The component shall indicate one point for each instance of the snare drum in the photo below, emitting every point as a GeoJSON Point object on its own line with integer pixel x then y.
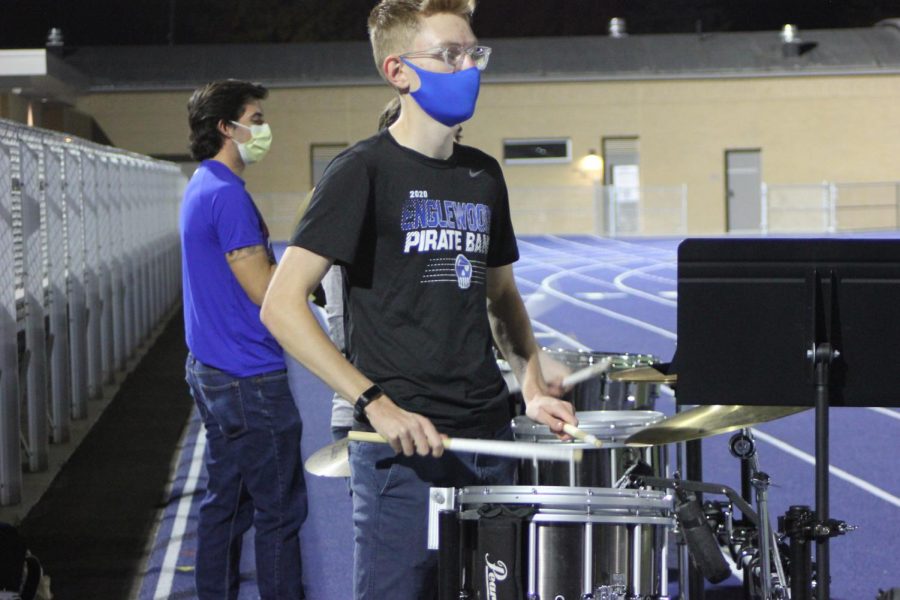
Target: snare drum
{"type": "Point", "coordinates": [608, 466]}
{"type": "Point", "coordinates": [601, 393]}
{"type": "Point", "coordinates": [577, 543]}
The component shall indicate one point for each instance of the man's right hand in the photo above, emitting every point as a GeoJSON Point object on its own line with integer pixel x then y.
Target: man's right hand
{"type": "Point", "coordinates": [405, 431]}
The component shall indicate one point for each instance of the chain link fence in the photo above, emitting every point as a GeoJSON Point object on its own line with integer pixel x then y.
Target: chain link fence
{"type": "Point", "coordinates": [89, 265]}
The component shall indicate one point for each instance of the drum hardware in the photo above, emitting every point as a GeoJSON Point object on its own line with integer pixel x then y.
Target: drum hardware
{"type": "Point", "coordinates": [604, 467]}
{"type": "Point", "coordinates": [577, 543]}
{"type": "Point", "coordinates": [800, 525]}
{"type": "Point", "coordinates": [587, 373]}
{"type": "Point", "coordinates": [742, 445]}
{"type": "Point", "coordinates": [602, 392]}
{"type": "Point", "coordinates": [741, 542]}
{"type": "Point", "coordinates": [580, 376]}
{"type": "Point", "coordinates": [706, 421]}
{"type": "Point", "coordinates": [771, 589]}
{"type": "Point", "coordinates": [638, 469]}
{"type": "Point", "coordinates": [705, 488]}
{"type": "Point", "coordinates": [699, 537]}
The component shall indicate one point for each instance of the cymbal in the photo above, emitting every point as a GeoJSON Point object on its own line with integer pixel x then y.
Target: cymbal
{"type": "Point", "coordinates": [642, 375]}
{"type": "Point", "coordinates": [706, 421]}
{"type": "Point", "coordinates": [331, 461]}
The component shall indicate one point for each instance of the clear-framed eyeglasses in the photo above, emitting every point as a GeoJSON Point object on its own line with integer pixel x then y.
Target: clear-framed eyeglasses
{"type": "Point", "coordinates": [455, 56]}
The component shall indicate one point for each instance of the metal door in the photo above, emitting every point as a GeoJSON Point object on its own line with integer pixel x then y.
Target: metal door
{"type": "Point", "coordinates": [742, 184]}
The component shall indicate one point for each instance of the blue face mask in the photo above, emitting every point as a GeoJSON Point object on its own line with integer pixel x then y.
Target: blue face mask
{"type": "Point", "coordinates": [448, 98]}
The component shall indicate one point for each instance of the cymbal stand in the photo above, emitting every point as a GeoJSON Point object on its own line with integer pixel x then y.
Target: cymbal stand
{"type": "Point", "coordinates": [743, 446]}
{"type": "Point", "coordinates": [684, 558]}
{"type": "Point", "coordinates": [689, 461]}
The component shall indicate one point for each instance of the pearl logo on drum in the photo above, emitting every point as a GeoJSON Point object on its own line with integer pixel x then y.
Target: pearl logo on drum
{"type": "Point", "coordinates": [493, 572]}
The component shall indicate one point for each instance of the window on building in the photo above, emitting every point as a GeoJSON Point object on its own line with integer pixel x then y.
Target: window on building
{"type": "Point", "coordinates": [537, 151]}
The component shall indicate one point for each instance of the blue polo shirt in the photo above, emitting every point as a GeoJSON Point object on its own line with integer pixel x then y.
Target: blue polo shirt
{"type": "Point", "coordinates": [222, 325]}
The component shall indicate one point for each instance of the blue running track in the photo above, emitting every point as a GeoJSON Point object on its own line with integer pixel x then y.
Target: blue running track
{"type": "Point", "coordinates": [609, 296]}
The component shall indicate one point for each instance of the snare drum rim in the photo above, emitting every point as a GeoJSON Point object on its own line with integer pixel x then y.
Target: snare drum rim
{"type": "Point", "coordinates": [606, 430]}
{"type": "Point", "coordinates": [627, 360]}
{"type": "Point", "coordinates": [590, 500]}
{"type": "Point", "coordinates": [611, 519]}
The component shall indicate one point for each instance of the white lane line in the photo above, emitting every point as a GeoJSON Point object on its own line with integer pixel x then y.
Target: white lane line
{"type": "Point", "coordinates": [549, 290]}
{"type": "Point", "coordinates": [601, 295]}
{"type": "Point", "coordinates": [546, 329]}
{"type": "Point", "coordinates": [167, 571]}
{"type": "Point", "coordinates": [585, 252]}
{"type": "Point", "coordinates": [576, 272]}
{"type": "Point", "coordinates": [836, 471]}
{"type": "Point", "coordinates": [886, 412]}
{"type": "Point", "coordinates": [619, 282]}
{"type": "Point", "coordinates": [618, 246]}
{"type": "Point", "coordinates": [810, 459]}
{"type": "Point", "coordinates": [545, 285]}
{"type": "Point", "coordinates": [803, 456]}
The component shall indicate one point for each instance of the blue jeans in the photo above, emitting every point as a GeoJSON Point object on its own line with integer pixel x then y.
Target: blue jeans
{"type": "Point", "coordinates": [255, 478]}
{"type": "Point", "coordinates": [390, 514]}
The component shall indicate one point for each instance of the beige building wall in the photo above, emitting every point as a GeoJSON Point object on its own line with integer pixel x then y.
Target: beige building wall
{"type": "Point", "coordinates": [156, 123]}
{"type": "Point", "coordinates": [15, 108]}
{"type": "Point", "coordinates": [808, 129]}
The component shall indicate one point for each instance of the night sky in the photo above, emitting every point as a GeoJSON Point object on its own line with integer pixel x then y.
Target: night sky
{"type": "Point", "coordinates": [24, 23]}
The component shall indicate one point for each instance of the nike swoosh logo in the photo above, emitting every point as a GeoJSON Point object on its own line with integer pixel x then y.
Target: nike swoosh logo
{"type": "Point", "coordinates": [475, 173]}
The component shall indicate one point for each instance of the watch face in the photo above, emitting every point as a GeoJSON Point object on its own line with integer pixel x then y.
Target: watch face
{"type": "Point", "coordinates": [370, 394]}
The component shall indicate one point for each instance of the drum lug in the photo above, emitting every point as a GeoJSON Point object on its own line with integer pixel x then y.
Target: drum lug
{"type": "Point", "coordinates": [609, 592]}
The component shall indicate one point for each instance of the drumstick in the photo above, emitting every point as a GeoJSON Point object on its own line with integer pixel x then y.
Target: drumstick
{"type": "Point", "coordinates": [586, 373]}
{"type": "Point", "coordinates": [581, 434]}
{"type": "Point", "coordinates": [560, 452]}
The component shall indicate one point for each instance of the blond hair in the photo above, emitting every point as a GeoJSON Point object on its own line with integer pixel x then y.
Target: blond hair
{"type": "Point", "coordinates": [394, 23]}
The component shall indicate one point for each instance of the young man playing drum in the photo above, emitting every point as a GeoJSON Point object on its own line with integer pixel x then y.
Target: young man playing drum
{"type": "Point", "coordinates": [422, 228]}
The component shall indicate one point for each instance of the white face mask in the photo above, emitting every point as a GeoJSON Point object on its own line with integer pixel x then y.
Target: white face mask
{"type": "Point", "coordinates": [256, 148]}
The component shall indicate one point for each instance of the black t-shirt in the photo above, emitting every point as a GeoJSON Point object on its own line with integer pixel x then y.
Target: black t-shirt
{"type": "Point", "coordinates": [416, 236]}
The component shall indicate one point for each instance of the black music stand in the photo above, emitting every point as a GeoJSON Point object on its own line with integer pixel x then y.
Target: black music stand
{"type": "Point", "coordinates": [790, 322]}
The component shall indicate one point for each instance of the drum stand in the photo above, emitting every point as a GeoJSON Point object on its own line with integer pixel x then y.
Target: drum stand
{"type": "Point", "coordinates": [799, 524]}
{"type": "Point", "coordinates": [754, 481]}
{"type": "Point", "coordinates": [743, 446]}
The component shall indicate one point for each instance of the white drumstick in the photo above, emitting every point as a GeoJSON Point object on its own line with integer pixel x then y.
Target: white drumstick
{"type": "Point", "coordinates": [560, 452]}
{"type": "Point", "coordinates": [586, 373]}
{"type": "Point", "coordinates": [581, 434]}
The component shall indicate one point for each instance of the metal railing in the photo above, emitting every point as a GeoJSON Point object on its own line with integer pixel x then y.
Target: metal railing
{"type": "Point", "coordinates": [830, 207]}
{"type": "Point", "coordinates": [89, 265]}
{"type": "Point", "coordinates": [611, 211]}
{"type": "Point", "coordinates": [600, 210]}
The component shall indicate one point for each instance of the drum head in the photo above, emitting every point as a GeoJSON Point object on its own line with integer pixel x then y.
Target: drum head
{"type": "Point", "coordinates": [607, 425]}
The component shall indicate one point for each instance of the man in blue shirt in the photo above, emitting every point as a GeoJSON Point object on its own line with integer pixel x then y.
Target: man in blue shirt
{"type": "Point", "coordinates": [235, 368]}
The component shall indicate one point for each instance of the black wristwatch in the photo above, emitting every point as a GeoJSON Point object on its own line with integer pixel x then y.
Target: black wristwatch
{"type": "Point", "coordinates": [359, 410]}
